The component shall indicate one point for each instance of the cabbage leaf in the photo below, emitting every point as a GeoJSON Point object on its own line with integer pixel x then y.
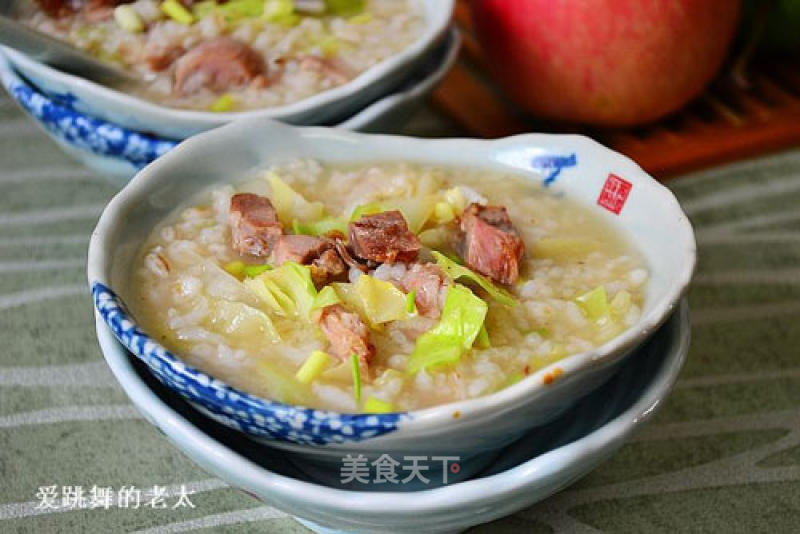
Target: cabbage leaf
{"type": "Point", "coordinates": [462, 319]}
{"type": "Point", "coordinates": [456, 271]}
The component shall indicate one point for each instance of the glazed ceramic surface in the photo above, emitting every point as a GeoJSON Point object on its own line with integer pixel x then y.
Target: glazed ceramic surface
{"type": "Point", "coordinates": [140, 115]}
{"type": "Point", "coordinates": [542, 462]}
{"type": "Point", "coordinates": [119, 153]}
{"type": "Point", "coordinates": [473, 430]}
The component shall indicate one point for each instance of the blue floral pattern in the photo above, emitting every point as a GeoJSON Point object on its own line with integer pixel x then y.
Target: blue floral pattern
{"type": "Point", "coordinates": [100, 137]}
{"type": "Point", "coordinates": [239, 410]}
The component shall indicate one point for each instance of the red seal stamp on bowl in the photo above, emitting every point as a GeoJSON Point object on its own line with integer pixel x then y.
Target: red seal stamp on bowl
{"type": "Point", "coordinates": [614, 194]}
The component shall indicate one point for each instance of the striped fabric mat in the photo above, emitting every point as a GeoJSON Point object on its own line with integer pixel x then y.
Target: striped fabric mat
{"type": "Point", "coordinates": [723, 454]}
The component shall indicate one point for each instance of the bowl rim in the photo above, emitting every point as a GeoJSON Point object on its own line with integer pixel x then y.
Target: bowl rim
{"type": "Point", "coordinates": [454, 496]}
{"type": "Point", "coordinates": [474, 409]}
{"type": "Point", "coordinates": [435, 28]}
{"type": "Point", "coordinates": [412, 87]}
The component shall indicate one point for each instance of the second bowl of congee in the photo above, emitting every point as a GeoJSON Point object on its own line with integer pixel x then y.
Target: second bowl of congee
{"type": "Point", "coordinates": [384, 286]}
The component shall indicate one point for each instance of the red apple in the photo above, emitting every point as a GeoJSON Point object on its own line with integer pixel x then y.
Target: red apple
{"type": "Point", "coordinates": [608, 62]}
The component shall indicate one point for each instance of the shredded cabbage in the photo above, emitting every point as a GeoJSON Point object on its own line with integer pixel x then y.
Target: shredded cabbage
{"type": "Point", "coordinates": [462, 318]}
{"type": "Point", "coordinates": [416, 211]}
{"type": "Point", "coordinates": [564, 248]}
{"type": "Point", "coordinates": [376, 301]}
{"type": "Point", "coordinates": [242, 321]}
{"type": "Point", "coordinates": [290, 204]}
{"type": "Point", "coordinates": [320, 227]}
{"type": "Point", "coordinates": [326, 297]}
{"type": "Point", "coordinates": [287, 290]}
{"type": "Point", "coordinates": [456, 271]}
{"type": "Point", "coordinates": [483, 341]}
{"type": "Point", "coordinates": [597, 308]}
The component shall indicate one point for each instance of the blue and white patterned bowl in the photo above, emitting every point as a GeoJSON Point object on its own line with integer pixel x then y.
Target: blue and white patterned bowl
{"type": "Point", "coordinates": [144, 116]}
{"type": "Point", "coordinates": [119, 153]}
{"type": "Point", "coordinates": [474, 430]}
{"type": "Point", "coordinates": [544, 461]}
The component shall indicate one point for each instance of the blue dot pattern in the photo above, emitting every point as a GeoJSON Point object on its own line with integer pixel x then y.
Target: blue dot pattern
{"type": "Point", "coordinates": [81, 131]}
{"type": "Point", "coordinates": [239, 410]}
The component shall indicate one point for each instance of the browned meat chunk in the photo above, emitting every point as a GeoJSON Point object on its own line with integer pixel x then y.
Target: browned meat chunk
{"type": "Point", "coordinates": [329, 267]}
{"type": "Point", "coordinates": [347, 257]}
{"type": "Point", "coordinates": [427, 280]}
{"type": "Point", "coordinates": [384, 238]}
{"type": "Point", "coordinates": [491, 244]}
{"type": "Point", "coordinates": [347, 335]}
{"type": "Point", "coordinates": [319, 254]}
{"type": "Point", "coordinates": [159, 56]}
{"type": "Point", "coordinates": [218, 65]}
{"type": "Point", "coordinates": [254, 224]}
{"type": "Point", "coordinates": [63, 8]}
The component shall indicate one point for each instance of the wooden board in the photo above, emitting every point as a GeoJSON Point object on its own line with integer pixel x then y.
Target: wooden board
{"type": "Point", "coordinates": [724, 124]}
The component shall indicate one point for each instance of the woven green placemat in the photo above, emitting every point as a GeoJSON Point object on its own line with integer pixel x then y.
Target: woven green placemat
{"type": "Point", "coordinates": [722, 455]}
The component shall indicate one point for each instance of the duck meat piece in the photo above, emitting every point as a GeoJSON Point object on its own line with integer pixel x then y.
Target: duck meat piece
{"type": "Point", "coordinates": [427, 280]}
{"type": "Point", "coordinates": [384, 238]}
{"type": "Point", "coordinates": [491, 245]}
{"type": "Point", "coordinates": [318, 253]}
{"type": "Point", "coordinates": [254, 224]}
{"type": "Point", "coordinates": [347, 335]}
{"type": "Point", "coordinates": [64, 8]}
{"type": "Point", "coordinates": [347, 256]}
{"type": "Point", "coordinates": [219, 65]}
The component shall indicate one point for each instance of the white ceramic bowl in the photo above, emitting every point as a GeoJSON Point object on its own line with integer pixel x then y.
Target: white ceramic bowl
{"type": "Point", "coordinates": [537, 466]}
{"type": "Point", "coordinates": [119, 153]}
{"type": "Point", "coordinates": [141, 115]}
{"type": "Point", "coordinates": [608, 183]}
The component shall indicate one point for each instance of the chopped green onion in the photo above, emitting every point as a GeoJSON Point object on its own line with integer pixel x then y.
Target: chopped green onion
{"type": "Point", "coordinates": [223, 103]}
{"type": "Point", "coordinates": [175, 10]}
{"type": "Point", "coordinates": [329, 45]}
{"type": "Point", "coordinates": [254, 270]}
{"type": "Point", "coordinates": [202, 9]}
{"type": "Point", "coordinates": [236, 268]}
{"type": "Point", "coordinates": [312, 367]}
{"type": "Point", "coordinates": [326, 297]}
{"type": "Point", "coordinates": [456, 271]}
{"type": "Point", "coordinates": [356, 377]}
{"type": "Point", "coordinates": [128, 19]}
{"type": "Point", "coordinates": [363, 18]}
{"type": "Point", "coordinates": [373, 405]}
{"type": "Point", "coordinates": [345, 8]}
{"type": "Point", "coordinates": [280, 12]}
{"type": "Point", "coordinates": [411, 302]}
{"type": "Point", "coordinates": [594, 303]}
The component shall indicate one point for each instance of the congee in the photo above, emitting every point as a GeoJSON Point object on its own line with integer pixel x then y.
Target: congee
{"type": "Point", "coordinates": [383, 287]}
{"type": "Point", "coordinates": [233, 55]}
